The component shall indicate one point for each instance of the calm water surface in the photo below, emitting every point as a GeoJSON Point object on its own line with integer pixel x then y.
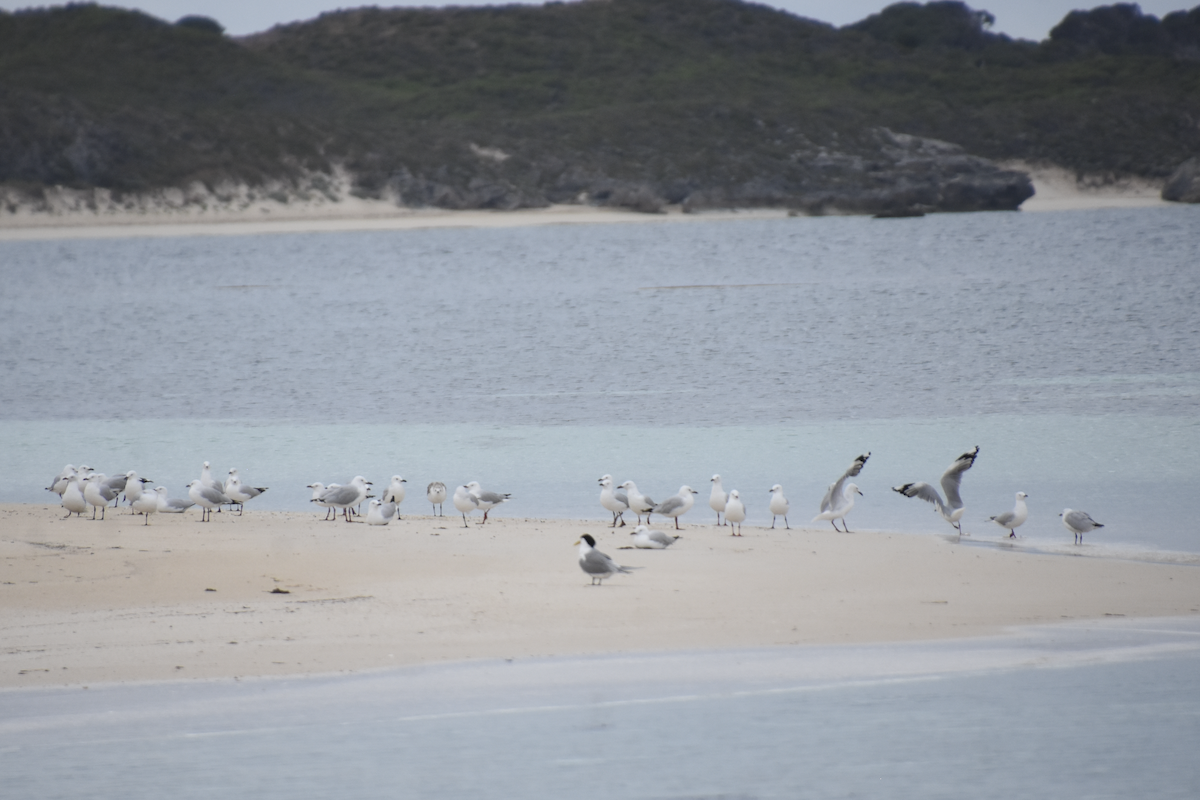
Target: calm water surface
{"type": "Point", "coordinates": [536, 359]}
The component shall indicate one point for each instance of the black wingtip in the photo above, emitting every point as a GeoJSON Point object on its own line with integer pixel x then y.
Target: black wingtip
{"type": "Point", "coordinates": [902, 489]}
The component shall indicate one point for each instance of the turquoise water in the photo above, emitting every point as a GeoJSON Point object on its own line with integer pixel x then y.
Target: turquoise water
{"type": "Point", "coordinates": [536, 359]}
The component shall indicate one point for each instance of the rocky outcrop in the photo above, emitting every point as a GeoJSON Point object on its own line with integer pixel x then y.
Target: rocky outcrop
{"type": "Point", "coordinates": [1184, 184]}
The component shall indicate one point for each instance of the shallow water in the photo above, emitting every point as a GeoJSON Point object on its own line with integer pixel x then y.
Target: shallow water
{"type": "Point", "coordinates": [1103, 710]}
{"type": "Point", "coordinates": [536, 359]}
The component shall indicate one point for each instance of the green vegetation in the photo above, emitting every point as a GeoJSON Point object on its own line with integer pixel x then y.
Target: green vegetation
{"type": "Point", "coordinates": [684, 95]}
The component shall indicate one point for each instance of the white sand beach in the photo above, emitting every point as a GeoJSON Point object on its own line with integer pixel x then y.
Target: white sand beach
{"type": "Point", "coordinates": [276, 593]}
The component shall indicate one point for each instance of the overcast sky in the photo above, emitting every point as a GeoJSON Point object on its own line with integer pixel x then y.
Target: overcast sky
{"type": "Point", "coordinates": [1024, 19]}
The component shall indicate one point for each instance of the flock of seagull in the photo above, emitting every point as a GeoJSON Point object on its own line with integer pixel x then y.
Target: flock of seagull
{"type": "Point", "coordinates": [836, 504]}
{"type": "Point", "coordinates": [83, 486]}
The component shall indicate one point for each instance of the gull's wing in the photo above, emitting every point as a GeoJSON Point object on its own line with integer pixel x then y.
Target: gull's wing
{"type": "Point", "coordinates": [1082, 521]}
{"type": "Point", "coordinates": [343, 495]}
{"type": "Point", "coordinates": [492, 497]}
{"type": "Point", "coordinates": [952, 478]}
{"type": "Point", "coordinates": [835, 492]}
{"type": "Point", "coordinates": [596, 563]}
{"type": "Point", "coordinates": [622, 496]}
{"type": "Point", "coordinates": [669, 505]}
{"type": "Point", "coordinates": [922, 490]}
{"type": "Point", "coordinates": [1004, 519]}
{"type": "Point", "coordinates": [662, 538]}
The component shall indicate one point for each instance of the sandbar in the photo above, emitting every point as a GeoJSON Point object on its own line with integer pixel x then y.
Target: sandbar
{"type": "Point", "coordinates": [286, 593]}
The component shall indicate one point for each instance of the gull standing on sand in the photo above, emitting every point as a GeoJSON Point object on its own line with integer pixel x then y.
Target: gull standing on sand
{"type": "Point", "coordinates": [839, 498]}
{"type": "Point", "coordinates": [435, 493]}
{"type": "Point", "coordinates": [676, 506]}
{"type": "Point", "coordinates": [614, 500]}
{"type": "Point", "coordinates": [135, 487]}
{"type": "Point", "coordinates": [72, 497]}
{"type": "Point", "coordinates": [596, 564]}
{"type": "Point", "coordinates": [168, 506]}
{"type": "Point", "coordinates": [638, 503]}
{"type": "Point", "coordinates": [240, 494]}
{"type": "Point", "coordinates": [318, 489]}
{"type": "Point", "coordinates": [952, 507]}
{"type": "Point", "coordinates": [59, 484]}
{"type": "Point", "coordinates": [97, 494]}
{"type": "Point", "coordinates": [145, 503]}
{"type": "Point", "coordinates": [779, 506]}
{"type": "Point", "coordinates": [346, 497]}
{"type": "Point", "coordinates": [646, 539]}
{"type": "Point", "coordinates": [718, 497]}
{"type": "Point", "coordinates": [486, 500]}
{"type": "Point", "coordinates": [465, 502]}
{"type": "Point", "coordinates": [735, 512]}
{"type": "Point", "coordinates": [379, 512]}
{"type": "Point", "coordinates": [394, 493]}
{"type": "Point", "coordinates": [1011, 520]}
{"type": "Point", "coordinates": [209, 482]}
{"type": "Point", "coordinates": [1078, 523]}
{"type": "Point", "coordinates": [207, 497]}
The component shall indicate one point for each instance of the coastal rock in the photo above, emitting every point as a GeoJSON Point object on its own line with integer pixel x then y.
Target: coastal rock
{"type": "Point", "coordinates": [1184, 184]}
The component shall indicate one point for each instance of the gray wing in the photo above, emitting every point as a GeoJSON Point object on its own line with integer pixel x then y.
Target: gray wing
{"type": "Point", "coordinates": [835, 493]}
{"type": "Point", "coordinates": [669, 505]}
{"type": "Point", "coordinates": [182, 505]}
{"type": "Point", "coordinates": [662, 538]}
{"type": "Point", "coordinates": [388, 510]}
{"type": "Point", "coordinates": [435, 485]}
{"type": "Point", "coordinates": [493, 497]}
{"type": "Point", "coordinates": [952, 478]}
{"type": "Point", "coordinates": [212, 495]}
{"type": "Point", "coordinates": [1004, 519]}
{"type": "Point", "coordinates": [116, 483]}
{"type": "Point", "coordinates": [343, 495]}
{"type": "Point", "coordinates": [649, 502]}
{"type": "Point", "coordinates": [596, 563]}
{"type": "Point", "coordinates": [922, 490]}
{"type": "Point", "coordinates": [622, 496]}
{"type": "Point", "coordinates": [1082, 521]}
{"type": "Point", "coordinates": [252, 491]}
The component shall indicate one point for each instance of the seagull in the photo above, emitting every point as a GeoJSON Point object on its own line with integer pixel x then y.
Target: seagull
{"type": "Point", "coordinates": [97, 494]}
{"type": "Point", "coordinates": [346, 497]}
{"type": "Point", "coordinates": [486, 500]}
{"type": "Point", "coordinates": [394, 493]}
{"type": "Point", "coordinates": [597, 565]}
{"type": "Point", "coordinates": [72, 497]}
{"type": "Point", "coordinates": [839, 498]}
{"type": "Point", "coordinates": [207, 497]}
{"type": "Point", "coordinates": [209, 482]}
{"type": "Point", "coordinates": [735, 511]}
{"type": "Point", "coordinates": [1015, 518]}
{"type": "Point", "coordinates": [318, 490]}
{"type": "Point", "coordinates": [1078, 523]}
{"type": "Point", "coordinates": [615, 500]}
{"type": "Point", "coordinates": [646, 539]}
{"type": "Point", "coordinates": [718, 497]}
{"type": "Point", "coordinates": [436, 494]}
{"type": "Point", "coordinates": [779, 506]}
{"type": "Point", "coordinates": [380, 513]}
{"type": "Point", "coordinates": [59, 484]}
{"type": "Point", "coordinates": [134, 487]}
{"type": "Point", "coordinates": [676, 506]}
{"type": "Point", "coordinates": [117, 483]}
{"type": "Point", "coordinates": [145, 503]}
{"type": "Point", "coordinates": [951, 508]}
{"type": "Point", "coordinates": [168, 506]}
{"type": "Point", "coordinates": [638, 503]}
{"type": "Point", "coordinates": [465, 502]}
{"type": "Point", "coordinates": [240, 494]}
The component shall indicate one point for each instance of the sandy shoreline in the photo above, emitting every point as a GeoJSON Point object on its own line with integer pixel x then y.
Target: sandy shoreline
{"type": "Point", "coordinates": [1057, 190]}
{"type": "Point", "coordinates": [90, 602]}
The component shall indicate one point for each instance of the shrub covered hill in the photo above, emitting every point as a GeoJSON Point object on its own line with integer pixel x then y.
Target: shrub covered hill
{"type": "Point", "coordinates": [638, 103]}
